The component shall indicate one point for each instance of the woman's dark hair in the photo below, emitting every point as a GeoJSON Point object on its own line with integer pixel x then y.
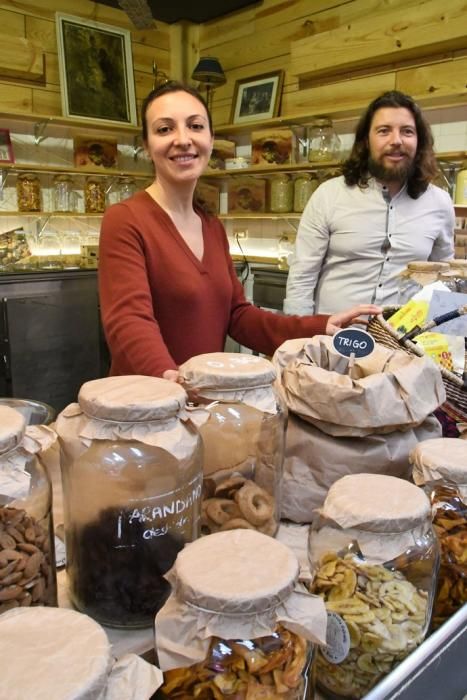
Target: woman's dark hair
{"type": "Point", "coordinates": [165, 89]}
{"type": "Point", "coordinates": [425, 167]}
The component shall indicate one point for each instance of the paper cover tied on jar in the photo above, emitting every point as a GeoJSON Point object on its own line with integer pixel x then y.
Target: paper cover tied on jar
{"type": "Point", "coordinates": [341, 425]}
{"type": "Point", "coordinates": [132, 477]}
{"type": "Point", "coordinates": [374, 559]}
{"type": "Point", "coordinates": [241, 422]}
{"type": "Point", "coordinates": [56, 654]}
{"type": "Point", "coordinates": [440, 468]}
{"type": "Point", "coordinates": [27, 557]}
{"type": "Point", "coordinates": [236, 621]}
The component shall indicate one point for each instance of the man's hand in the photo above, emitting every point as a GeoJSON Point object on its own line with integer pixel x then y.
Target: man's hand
{"type": "Point", "coordinates": [348, 318]}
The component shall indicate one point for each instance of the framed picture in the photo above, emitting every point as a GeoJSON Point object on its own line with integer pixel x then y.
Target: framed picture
{"type": "Point", "coordinates": [96, 70]}
{"type": "Point", "coordinates": [257, 98]}
{"type": "Point", "coordinates": [6, 149]}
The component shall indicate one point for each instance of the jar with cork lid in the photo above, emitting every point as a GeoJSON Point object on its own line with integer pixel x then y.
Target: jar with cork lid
{"type": "Point", "coordinates": [417, 275]}
{"type": "Point", "coordinates": [28, 191]}
{"type": "Point", "coordinates": [304, 186]}
{"type": "Point", "coordinates": [132, 480]}
{"type": "Point", "coordinates": [27, 555]}
{"type": "Point", "coordinates": [94, 194]}
{"type": "Point", "coordinates": [374, 560]}
{"type": "Point", "coordinates": [461, 185]}
{"type": "Point", "coordinates": [241, 420]}
{"type": "Point", "coordinates": [281, 191]}
{"type": "Point", "coordinates": [236, 623]}
{"type": "Point", "coordinates": [440, 469]}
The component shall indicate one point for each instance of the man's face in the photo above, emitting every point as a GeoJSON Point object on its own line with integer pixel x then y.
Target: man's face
{"type": "Point", "coordinates": [392, 142]}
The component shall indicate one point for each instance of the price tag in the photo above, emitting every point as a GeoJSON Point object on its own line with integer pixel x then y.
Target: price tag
{"type": "Point", "coordinates": [337, 639]}
{"type": "Point", "coordinates": [353, 342]}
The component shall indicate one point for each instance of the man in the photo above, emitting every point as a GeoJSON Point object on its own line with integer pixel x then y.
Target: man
{"type": "Point", "coordinates": [358, 231]}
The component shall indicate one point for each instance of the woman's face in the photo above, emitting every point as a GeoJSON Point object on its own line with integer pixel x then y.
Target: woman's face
{"type": "Point", "coordinates": [179, 138]}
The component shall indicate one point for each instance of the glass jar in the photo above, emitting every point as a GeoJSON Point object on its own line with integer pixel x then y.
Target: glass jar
{"type": "Point", "coordinates": [27, 557]}
{"type": "Point", "coordinates": [461, 185]}
{"type": "Point", "coordinates": [28, 192]}
{"type": "Point", "coordinates": [323, 142]}
{"type": "Point", "coordinates": [126, 188]}
{"type": "Point", "coordinates": [63, 196]}
{"type": "Point", "coordinates": [132, 480]}
{"type": "Point", "coordinates": [57, 653]}
{"type": "Point", "coordinates": [416, 276]}
{"type": "Point", "coordinates": [238, 589]}
{"type": "Point", "coordinates": [241, 421]}
{"type": "Point", "coordinates": [458, 267]}
{"type": "Point", "coordinates": [94, 195]}
{"type": "Point", "coordinates": [440, 468]}
{"type": "Point", "coordinates": [374, 560]}
{"type": "Point", "coordinates": [304, 186]}
{"type": "Point", "coordinates": [281, 193]}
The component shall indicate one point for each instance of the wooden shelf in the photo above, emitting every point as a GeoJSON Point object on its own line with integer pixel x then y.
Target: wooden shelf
{"type": "Point", "coordinates": [261, 216]}
{"type": "Point", "coordinates": [450, 157]}
{"type": "Point", "coordinates": [25, 120]}
{"type": "Point", "coordinates": [50, 214]}
{"type": "Point", "coordinates": [274, 169]}
{"type": "Point", "coordinates": [70, 170]}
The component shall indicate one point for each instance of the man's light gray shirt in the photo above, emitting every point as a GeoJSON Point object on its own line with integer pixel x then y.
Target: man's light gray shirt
{"type": "Point", "coordinates": [352, 243]}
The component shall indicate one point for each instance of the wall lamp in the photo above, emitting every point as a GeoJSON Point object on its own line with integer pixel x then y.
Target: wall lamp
{"type": "Point", "coordinates": [210, 74]}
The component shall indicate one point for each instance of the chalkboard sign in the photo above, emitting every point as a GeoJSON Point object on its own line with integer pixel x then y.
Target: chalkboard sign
{"type": "Point", "coordinates": [353, 341]}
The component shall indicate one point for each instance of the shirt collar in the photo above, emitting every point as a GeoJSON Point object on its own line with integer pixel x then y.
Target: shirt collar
{"type": "Point", "coordinates": [380, 187]}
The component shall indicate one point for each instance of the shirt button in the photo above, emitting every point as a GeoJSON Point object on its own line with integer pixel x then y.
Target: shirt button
{"type": "Point", "coordinates": [380, 285]}
{"type": "Point", "coordinates": [387, 258]}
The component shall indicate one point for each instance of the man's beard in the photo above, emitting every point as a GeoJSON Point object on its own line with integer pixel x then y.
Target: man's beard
{"type": "Point", "coordinates": [398, 173]}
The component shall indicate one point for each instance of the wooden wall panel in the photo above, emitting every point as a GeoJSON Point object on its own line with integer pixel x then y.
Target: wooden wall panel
{"type": "Point", "coordinates": [376, 39]}
{"type": "Point", "coordinates": [344, 98]}
{"type": "Point", "coordinates": [263, 39]}
{"type": "Point", "coordinates": [442, 80]}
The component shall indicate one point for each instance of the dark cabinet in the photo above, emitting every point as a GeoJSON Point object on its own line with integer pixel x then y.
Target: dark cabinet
{"type": "Point", "coordinates": [50, 336]}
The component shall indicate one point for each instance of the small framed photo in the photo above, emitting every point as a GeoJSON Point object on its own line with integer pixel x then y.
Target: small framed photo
{"type": "Point", "coordinates": [257, 98]}
{"type": "Point", "coordinates": [6, 148]}
{"type": "Point", "coordinates": [96, 70]}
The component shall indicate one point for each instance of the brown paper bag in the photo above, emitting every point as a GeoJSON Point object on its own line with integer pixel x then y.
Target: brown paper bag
{"type": "Point", "coordinates": [315, 460]}
{"type": "Point", "coordinates": [389, 390]}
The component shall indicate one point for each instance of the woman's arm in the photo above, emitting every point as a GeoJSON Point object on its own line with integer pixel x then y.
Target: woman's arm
{"type": "Point", "coordinates": [132, 332]}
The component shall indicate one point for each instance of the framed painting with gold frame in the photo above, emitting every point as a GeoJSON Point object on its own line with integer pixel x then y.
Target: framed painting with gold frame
{"type": "Point", "coordinates": [96, 70]}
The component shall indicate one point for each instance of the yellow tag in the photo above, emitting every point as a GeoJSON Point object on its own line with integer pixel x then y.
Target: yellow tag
{"type": "Point", "coordinates": [436, 346]}
{"type": "Point", "coordinates": [412, 314]}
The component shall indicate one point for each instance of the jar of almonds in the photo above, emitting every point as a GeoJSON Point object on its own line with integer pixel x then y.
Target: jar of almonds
{"type": "Point", "coordinates": [374, 559]}
{"type": "Point", "coordinates": [440, 468]}
{"type": "Point", "coordinates": [94, 195]}
{"type": "Point", "coordinates": [241, 420]}
{"type": "Point", "coordinates": [234, 625]}
{"type": "Point", "coordinates": [27, 561]}
{"type": "Point", "coordinates": [28, 192]}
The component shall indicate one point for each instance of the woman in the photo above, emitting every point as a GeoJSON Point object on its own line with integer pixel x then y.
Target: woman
{"type": "Point", "coordinates": [168, 289]}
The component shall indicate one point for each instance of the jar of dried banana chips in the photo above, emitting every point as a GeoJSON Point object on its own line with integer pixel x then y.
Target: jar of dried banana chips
{"type": "Point", "coordinates": [241, 420]}
{"type": "Point", "coordinates": [235, 624]}
{"type": "Point", "coordinates": [374, 559]}
{"type": "Point", "coordinates": [440, 468]}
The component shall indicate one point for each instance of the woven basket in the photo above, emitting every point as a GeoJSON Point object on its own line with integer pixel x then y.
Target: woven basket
{"type": "Point", "coordinates": [456, 391]}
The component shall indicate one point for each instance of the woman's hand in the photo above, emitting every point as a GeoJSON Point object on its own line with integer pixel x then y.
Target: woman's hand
{"type": "Point", "coordinates": [171, 375]}
{"type": "Point", "coordinates": [351, 316]}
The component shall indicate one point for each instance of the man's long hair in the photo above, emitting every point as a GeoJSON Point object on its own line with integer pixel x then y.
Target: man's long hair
{"type": "Point", "coordinates": [425, 167]}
